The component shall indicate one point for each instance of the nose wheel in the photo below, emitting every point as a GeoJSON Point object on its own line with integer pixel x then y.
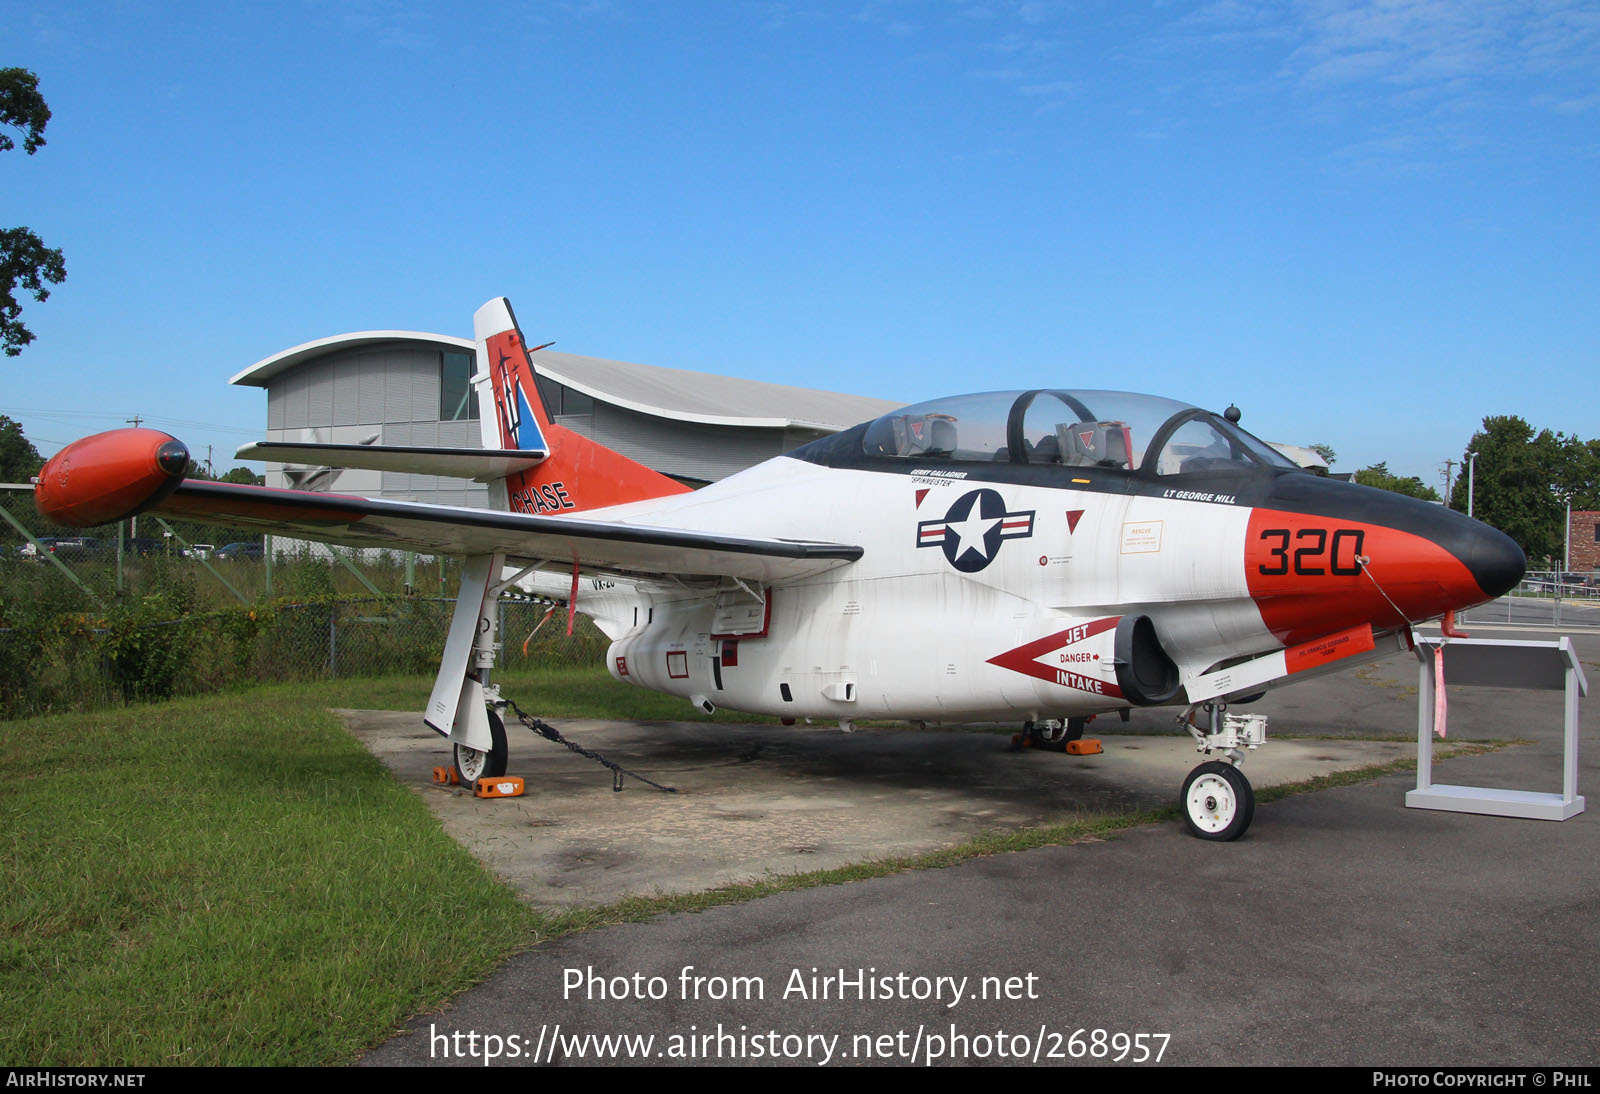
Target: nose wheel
{"type": "Point", "coordinates": [1217, 801]}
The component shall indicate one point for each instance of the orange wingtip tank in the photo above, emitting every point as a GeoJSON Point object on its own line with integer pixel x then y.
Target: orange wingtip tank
{"type": "Point", "coordinates": [110, 476]}
{"type": "Point", "coordinates": [505, 786]}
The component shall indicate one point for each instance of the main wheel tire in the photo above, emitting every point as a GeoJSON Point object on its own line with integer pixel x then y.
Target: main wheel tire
{"type": "Point", "coordinates": [1217, 801]}
{"type": "Point", "coordinates": [1037, 735]}
{"type": "Point", "coordinates": [473, 764]}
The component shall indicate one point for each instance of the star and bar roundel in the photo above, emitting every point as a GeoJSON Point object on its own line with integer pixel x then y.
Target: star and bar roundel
{"type": "Point", "coordinates": [973, 528]}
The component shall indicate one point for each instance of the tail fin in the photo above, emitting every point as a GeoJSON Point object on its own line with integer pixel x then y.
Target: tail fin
{"type": "Point", "coordinates": [580, 474]}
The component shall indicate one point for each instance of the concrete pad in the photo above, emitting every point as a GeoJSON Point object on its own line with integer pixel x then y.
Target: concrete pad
{"type": "Point", "coordinates": [1343, 929]}
{"type": "Point", "coordinates": [758, 801]}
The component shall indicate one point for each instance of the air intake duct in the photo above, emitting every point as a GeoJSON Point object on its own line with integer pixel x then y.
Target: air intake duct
{"type": "Point", "coordinates": [1145, 673]}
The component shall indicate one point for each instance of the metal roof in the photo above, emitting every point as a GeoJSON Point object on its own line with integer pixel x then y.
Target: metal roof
{"type": "Point", "coordinates": [267, 368]}
{"type": "Point", "coordinates": [673, 393]}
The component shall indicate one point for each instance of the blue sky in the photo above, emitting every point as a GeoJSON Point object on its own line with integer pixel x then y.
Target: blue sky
{"type": "Point", "coordinates": [1368, 225]}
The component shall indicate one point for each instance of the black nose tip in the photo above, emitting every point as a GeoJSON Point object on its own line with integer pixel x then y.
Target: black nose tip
{"type": "Point", "coordinates": [173, 458]}
{"type": "Point", "coordinates": [1495, 560]}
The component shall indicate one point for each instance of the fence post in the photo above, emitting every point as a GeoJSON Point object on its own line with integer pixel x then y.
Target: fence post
{"type": "Point", "coordinates": [237, 595]}
{"type": "Point", "coordinates": [333, 639]}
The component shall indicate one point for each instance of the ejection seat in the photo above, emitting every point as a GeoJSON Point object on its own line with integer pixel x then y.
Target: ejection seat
{"type": "Point", "coordinates": [1093, 444]}
{"type": "Point", "coordinates": [912, 435]}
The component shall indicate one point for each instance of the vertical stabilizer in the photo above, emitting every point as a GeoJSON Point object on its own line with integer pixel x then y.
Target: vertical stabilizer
{"type": "Point", "coordinates": [580, 474]}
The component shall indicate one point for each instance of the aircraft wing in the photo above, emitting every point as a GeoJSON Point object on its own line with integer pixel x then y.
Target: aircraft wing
{"type": "Point", "coordinates": [478, 464]}
{"type": "Point", "coordinates": [554, 542]}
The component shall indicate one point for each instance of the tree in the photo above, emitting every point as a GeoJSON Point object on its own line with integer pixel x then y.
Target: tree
{"type": "Point", "coordinates": [1516, 483]}
{"type": "Point", "coordinates": [24, 259]}
{"type": "Point", "coordinates": [1579, 477]}
{"type": "Point", "coordinates": [244, 476]}
{"type": "Point", "coordinates": [1379, 475]}
{"type": "Point", "coordinates": [19, 460]}
{"type": "Point", "coordinates": [1325, 451]}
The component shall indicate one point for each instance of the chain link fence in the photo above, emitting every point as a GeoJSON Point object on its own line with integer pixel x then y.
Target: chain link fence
{"type": "Point", "coordinates": [1570, 601]}
{"type": "Point", "coordinates": [83, 626]}
{"type": "Point", "coordinates": [82, 661]}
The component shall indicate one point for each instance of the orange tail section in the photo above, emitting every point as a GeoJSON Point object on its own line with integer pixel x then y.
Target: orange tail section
{"type": "Point", "coordinates": [579, 474]}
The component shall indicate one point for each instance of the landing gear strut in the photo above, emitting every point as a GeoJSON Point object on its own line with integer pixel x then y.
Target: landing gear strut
{"type": "Point", "coordinates": [1216, 801]}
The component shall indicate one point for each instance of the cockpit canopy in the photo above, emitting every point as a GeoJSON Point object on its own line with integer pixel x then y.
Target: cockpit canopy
{"type": "Point", "coordinates": [1105, 429]}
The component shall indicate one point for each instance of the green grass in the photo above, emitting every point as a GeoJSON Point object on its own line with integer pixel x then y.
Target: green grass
{"type": "Point", "coordinates": [234, 880]}
{"type": "Point", "coordinates": [224, 881]}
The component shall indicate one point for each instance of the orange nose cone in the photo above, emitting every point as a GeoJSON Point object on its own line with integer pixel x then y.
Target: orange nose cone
{"type": "Point", "coordinates": [110, 476]}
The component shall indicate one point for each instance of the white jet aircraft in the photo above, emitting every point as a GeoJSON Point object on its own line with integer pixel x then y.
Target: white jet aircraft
{"type": "Point", "coordinates": [1043, 555]}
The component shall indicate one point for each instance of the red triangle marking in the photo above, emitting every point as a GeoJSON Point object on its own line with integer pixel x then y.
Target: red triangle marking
{"type": "Point", "coordinates": [1024, 658]}
{"type": "Point", "coordinates": [1073, 516]}
{"type": "Point", "coordinates": [920, 495]}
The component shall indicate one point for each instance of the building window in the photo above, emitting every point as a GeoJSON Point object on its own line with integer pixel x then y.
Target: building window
{"type": "Point", "coordinates": [550, 394]}
{"type": "Point", "coordinates": [456, 403]}
{"type": "Point", "coordinates": [560, 400]}
{"type": "Point", "coordinates": [574, 401]}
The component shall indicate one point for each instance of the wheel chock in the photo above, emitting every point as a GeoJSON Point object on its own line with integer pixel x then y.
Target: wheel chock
{"type": "Point", "coordinates": [1084, 746]}
{"type": "Point", "coordinates": [446, 776]}
{"type": "Point", "coordinates": [506, 786]}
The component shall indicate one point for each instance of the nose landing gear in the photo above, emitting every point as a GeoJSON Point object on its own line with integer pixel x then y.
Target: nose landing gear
{"type": "Point", "coordinates": [1217, 801]}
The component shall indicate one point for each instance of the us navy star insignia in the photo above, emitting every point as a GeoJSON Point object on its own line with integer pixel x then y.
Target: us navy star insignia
{"type": "Point", "coordinates": [973, 528]}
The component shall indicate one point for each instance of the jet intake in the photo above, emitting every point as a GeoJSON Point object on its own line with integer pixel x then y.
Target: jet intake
{"type": "Point", "coordinates": [1146, 675]}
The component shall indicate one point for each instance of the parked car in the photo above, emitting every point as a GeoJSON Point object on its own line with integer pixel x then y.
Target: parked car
{"type": "Point", "coordinates": [31, 552]}
{"type": "Point", "coordinates": [63, 547]}
{"type": "Point", "coordinates": [236, 551]}
{"type": "Point", "coordinates": [199, 550]}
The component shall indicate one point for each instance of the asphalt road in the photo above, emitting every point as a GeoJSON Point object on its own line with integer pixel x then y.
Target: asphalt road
{"type": "Point", "coordinates": [1343, 928]}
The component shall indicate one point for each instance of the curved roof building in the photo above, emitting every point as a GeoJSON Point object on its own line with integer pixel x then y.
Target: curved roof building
{"type": "Point", "coordinates": [411, 388]}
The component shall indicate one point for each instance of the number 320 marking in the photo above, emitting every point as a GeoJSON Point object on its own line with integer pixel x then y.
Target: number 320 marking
{"type": "Point", "coordinates": [1314, 545]}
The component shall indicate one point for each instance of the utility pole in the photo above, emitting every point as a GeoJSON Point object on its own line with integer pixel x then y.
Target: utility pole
{"type": "Point", "coordinates": [1448, 466]}
{"type": "Point", "coordinates": [133, 421]}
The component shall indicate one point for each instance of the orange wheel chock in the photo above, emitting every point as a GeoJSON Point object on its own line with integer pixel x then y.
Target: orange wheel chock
{"type": "Point", "coordinates": [506, 786]}
{"type": "Point", "coordinates": [1084, 746]}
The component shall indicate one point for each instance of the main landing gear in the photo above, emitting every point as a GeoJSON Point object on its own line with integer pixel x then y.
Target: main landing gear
{"type": "Point", "coordinates": [1216, 801]}
{"type": "Point", "coordinates": [1060, 735]}
{"type": "Point", "coordinates": [1051, 734]}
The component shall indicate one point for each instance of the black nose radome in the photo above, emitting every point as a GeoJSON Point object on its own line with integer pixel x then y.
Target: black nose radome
{"type": "Point", "coordinates": [173, 458]}
{"type": "Point", "coordinates": [1496, 562]}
